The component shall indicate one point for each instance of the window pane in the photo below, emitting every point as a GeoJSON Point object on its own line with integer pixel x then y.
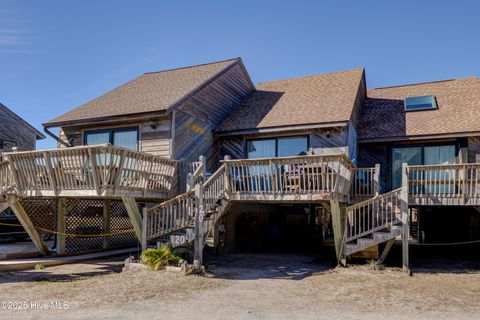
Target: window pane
{"type": "Point", "coordinates": [92, 138]}
{"type": "Point", "coordinates": [261, 149]}
{"type": "Point", "coordinates": [420, 103]}
{"type": "Point", "coordinates": [440, 155]}
{"type": "Point", "coordinates": [292, 146]}
{"type": "Point", "coordinates": [126, 139]}
{"type": "Point", "coordinates": [412, 156]}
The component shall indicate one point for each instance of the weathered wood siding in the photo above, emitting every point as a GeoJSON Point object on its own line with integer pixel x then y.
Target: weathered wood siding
{"type": "Point", "coordinates": [474, 149]}
{"type": "Point", "coordinates": [12, 128]}
{"type": "Point", "coordinates": [369, 155]}
{"type": "Point", "coordinates": [198, 116]}
{"type": "Point", "coordinates": [155, 141]}
{"type": "Point", "coordinates": [235, 146]}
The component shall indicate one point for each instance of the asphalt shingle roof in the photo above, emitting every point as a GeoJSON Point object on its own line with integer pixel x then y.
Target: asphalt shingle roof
{"type": "Point", "coordinates": [322, 98]}
{"type": "Point", "coordinates": [150, 92]}
{"type": "Point", "coordinates": [458, 110]}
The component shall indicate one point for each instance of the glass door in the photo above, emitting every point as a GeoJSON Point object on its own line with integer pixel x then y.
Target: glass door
{"type": "Point", "coordinates": [444, 179]}
{"type": "Point", "coordinates": [410, 155]}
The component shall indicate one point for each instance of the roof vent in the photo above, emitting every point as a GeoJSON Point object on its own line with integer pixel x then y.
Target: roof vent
{"type": "Point", "coordinates": [420, 103]}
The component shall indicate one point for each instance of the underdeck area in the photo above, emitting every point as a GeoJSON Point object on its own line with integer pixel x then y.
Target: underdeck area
{"type": "Point", "coordinates": [288, 228]}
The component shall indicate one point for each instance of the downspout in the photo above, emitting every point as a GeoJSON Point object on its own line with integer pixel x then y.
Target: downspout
{"type": "Point", "coordinates": [51, 134]}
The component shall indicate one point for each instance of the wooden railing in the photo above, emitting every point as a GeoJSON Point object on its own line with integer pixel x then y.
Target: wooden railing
{"type": "Point", "coordinates": [171, 215]}
{"type": "Point", "coordinates": [372, 215]}
{"type": "Point", "coordinates": [6, 182]}
{"type": "Point", "coordinates": [198, 173]}
{"type": "Point", "coordinates": [101, 170]}
{"type": "Point", "coordinates": [312, 174]}
{"type": "Point", "coordinates": [365, 183]}
{"type": "Point", "coordinates": [180, 211]}
{"type": "Point", "coordinates": [444, 181]}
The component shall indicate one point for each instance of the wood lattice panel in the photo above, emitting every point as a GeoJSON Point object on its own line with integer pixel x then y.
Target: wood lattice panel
{"type": "Point", "coordinates": [120, 222]}
{"type": "Point", "coordinates": [43, 213]}
{"type": "Point", "coordinates": [84, 217]}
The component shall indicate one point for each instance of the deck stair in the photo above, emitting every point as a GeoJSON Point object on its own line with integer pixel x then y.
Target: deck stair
{"type": "Point", "coordinates": [173, 221]}
{"type": "Point", "coordinates": [373, 222]}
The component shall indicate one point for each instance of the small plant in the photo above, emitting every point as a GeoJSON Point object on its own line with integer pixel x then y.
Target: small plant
{"type": "Point", "coordinates": [375, 265]}
{"type": "Point", "coordinates": [159, 258]}
{"type": "Point", "coordinates": [39, 266]}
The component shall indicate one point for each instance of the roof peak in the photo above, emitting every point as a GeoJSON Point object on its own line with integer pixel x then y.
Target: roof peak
{"type": "Point", "coordinates": [315, 75]}
{"type": "Point", "coordinates": [426, 82]}
{"type": "Point", "coordinates": [193, 65]}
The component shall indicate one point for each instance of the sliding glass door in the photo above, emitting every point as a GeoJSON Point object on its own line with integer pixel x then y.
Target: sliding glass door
{"type": "Point", "coordinates": [423, 155]}
{"type": "Point", "coordinates": [411, 155]}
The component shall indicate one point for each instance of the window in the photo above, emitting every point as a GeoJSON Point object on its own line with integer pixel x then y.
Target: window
{"type": "Point", "coordinates": [277, 147]}
{"type": "Point", "coordinates": [419, 155]}
{"type": "Point", "coordinates": [123, 137]}
{"type": "Point", "coordinates": [420, 103]}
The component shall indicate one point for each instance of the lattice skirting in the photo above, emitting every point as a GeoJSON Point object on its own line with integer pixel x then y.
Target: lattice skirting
{"type": "Point", "coordinates": [85, 217]}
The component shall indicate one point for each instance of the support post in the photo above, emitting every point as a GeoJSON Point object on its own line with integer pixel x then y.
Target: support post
{"type": "Point", "coordinates": [61, 225]}
{"type": "Point", "coordinates": [144, 228]}
{"type": "Point", "coordinates": [107, 222]}
{"type": "Point", "coordinates": [338, 216]}
{"type": "Point", "coordinates": [134, 214]}
{"type": "Point", "coordinates": [198, 243]}
{"type": "Point", "coordinates": [376, 180]}
{"type": "Point", "coordinates": [386, 250]}
{"type": "Point", "coordinates": [27, 224]}
{"type": "Point", "coordinates": [405, 218]}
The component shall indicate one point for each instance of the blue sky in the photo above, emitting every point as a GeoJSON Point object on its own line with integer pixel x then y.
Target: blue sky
{"type": "Point", "coordinates": [56, 55]}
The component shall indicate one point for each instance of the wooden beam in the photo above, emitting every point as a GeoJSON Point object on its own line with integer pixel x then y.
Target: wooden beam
{"type": "Point", "coordinates": [107, 221]}
{"type": "Point", "coordinates": [477, 208]}
{"type": "Point", "coordinates": [198, 242]}
{"type": "Point", "coordinates": [144, 228]}
{"type": "Point", "coordinates": [134, 214]}
{"type": "Point", "coordinates": [61, 225]}
{"type": "Point", "coordinates": [27, 225]}
{"type": "Point", "coordinates": [386, 250]}
{"type": "Point", "coordinates": [338, 215]}
{"type": "Point", "coordinates": [405, 216]}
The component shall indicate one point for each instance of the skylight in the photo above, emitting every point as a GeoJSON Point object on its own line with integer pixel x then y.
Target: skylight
{"type": "Point", "coordinates": [420, 103]}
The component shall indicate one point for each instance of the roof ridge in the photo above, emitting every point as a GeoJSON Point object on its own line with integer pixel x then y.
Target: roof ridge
{"type": "Point", "coordinates": [312, 75]}
{"type": "Point", "coordinates": [426, 82]}
{"type": "Point", "coordinates": [192, 66]}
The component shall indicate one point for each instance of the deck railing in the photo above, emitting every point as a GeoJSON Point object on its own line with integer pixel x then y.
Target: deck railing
{"type": "Point", "coordinates": [101, 170]}
{"type": "Point", "coordinates": [444, 181]}
{"type": "Point", "coordinates": [312, 174]}
{"type": "Point", "coordinates": [365, 183]}
{"type": "Point", "coordinates": [373, 214]}
{"type": "Point", "coordinates": [6, 182]}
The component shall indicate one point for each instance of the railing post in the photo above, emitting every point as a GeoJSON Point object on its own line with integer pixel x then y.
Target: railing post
{"type": "Point", "coordinates": [199, 213]}
{"type": "Point", "coordinates": [405, 218]}
{"type": "Point", "coordinates": [228, 187]}
{"type": "Point", "coordinates": [144, 228]}
{"type": "Point", "coordinates": [203, 162]}
{"type": "Point", "coordinates": [376, 180]}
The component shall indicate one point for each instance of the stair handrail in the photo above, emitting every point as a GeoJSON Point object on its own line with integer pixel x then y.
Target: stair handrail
{"type": "Point", "coordinates": [373, 214]}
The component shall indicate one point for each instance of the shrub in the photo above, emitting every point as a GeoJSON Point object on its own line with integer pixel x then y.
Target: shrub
{"type": "Point", "coordinates": [159, 258]}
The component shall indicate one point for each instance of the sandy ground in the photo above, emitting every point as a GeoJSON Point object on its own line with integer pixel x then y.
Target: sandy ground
{"type": "Point", "coordinates": [245, 287]}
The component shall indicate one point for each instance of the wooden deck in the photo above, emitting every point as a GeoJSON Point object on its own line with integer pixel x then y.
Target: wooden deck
{"type": "Point", "coordinates": [102, 171]}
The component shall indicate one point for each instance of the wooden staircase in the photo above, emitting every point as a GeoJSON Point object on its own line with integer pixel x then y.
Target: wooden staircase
{"type": "Point", "coordinates": [176, 221]}
{"type": "Point", "coordinates": [373, 221]}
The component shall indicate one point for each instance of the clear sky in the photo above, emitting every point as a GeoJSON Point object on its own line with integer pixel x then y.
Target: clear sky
{"type": "Point", "coordinates": [56, 55]}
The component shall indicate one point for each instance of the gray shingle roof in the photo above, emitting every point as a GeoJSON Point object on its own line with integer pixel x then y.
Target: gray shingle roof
{"type": "Point", "coordinates": [322, 98]}
{"type": "Point", "coordinates": [150, 92]}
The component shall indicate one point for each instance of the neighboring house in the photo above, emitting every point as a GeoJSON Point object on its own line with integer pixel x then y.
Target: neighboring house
{"type": "Point", "coordinates": [16, 132]}
{"type": "Point", "coordinates": [291, 160]}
